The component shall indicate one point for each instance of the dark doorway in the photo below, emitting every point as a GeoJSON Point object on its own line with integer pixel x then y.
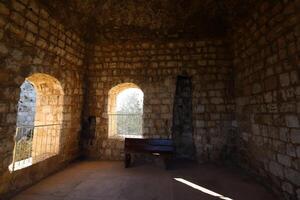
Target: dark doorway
{"type": "Point", "coordinates": [183, 120]}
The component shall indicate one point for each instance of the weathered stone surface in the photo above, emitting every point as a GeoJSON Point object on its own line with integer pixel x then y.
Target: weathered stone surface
{"type": "Point", "coordinates": [291, 150]}
{"type": "Point", "coordinates": [284, 79]}
{"type": "Point", "coordinates": [273, 106]}
{"type": "Point", "coordinates": [276, 169]}
{"type": "Point", "coordinates": [271, 83]}
{"type": "Point", "coordinates": [293, 176]}
{"type": "Point", "coordinates": [287, 187]}
{"type": "Point", "coordinates": [3, 49]}
{"type": "Point", "coordinates": [18, 54]}
{"type": "Point", "coordinates": [157, 80]}
{"type": "Point", "coordinates": [245, 92]}
{"type": "Point", "coordinates": [3, 9]}
{"type": "Point", "coordinates": [284, 160]}
{"type": "Point", "coordinates": [117, 20]}
{"type": "Point", "coordinates": [295, 136]}
{"type": "Point", "coordinates": [292, 121]}
{"type": "Point", "coordinates": [298, 151]}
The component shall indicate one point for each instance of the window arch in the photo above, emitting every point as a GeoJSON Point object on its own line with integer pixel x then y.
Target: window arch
{"type": "Point", "coordinates": [39, 120]}
{"type": "Point", "coordinates": [125, 111]}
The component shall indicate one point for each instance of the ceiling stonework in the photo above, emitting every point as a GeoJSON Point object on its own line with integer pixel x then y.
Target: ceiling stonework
{"type": "Point", "coordinates": [138, 19]}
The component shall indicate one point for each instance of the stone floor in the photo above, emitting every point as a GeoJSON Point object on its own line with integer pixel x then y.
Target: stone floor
{"type": "Point", "coordinates": [91, 180]}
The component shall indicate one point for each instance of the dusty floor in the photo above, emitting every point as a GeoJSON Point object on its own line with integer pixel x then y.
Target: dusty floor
{"type": "Point", "coordinates": [109, 180]}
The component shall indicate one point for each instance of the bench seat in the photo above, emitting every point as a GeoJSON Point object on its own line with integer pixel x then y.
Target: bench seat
{"type": "Point", "coordinates": [161, 147]}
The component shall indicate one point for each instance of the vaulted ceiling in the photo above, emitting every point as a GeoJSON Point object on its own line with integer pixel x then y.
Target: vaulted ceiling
{"type": "Point", "coordinates": [136, 19]}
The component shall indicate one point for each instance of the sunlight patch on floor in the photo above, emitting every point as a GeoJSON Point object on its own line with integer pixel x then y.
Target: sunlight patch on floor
{"type": "Point", "coordinates": [202, 189]}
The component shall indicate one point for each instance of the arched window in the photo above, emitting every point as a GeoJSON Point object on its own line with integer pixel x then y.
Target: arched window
{"type": "Point", "coordinates": [39, 121]}
{"type": "Point", "coordinates": [125, 111]}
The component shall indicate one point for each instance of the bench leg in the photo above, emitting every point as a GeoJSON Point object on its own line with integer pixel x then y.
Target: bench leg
{"type": "Point", "coordinates": [127, 159]}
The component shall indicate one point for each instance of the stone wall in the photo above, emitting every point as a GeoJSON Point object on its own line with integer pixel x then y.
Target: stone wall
{"type": "Point", "coordinates": [266, 60]}
{"type": "Point", "coordinates": [182, 127]}
{"type": "Point", "coordinates": [48, 117]}
{"type": "Point", "coordinates": [258, 94]}
{"type": "Point", "coordinates": [154, 66]}
{"type": "Point", "coordinates": [32, 42]}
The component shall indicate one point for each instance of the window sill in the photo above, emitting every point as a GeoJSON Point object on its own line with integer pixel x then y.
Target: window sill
{"type": "Point", "coordinates": [20, 164]}
{"type": "Point", "coordinates": [122, 137]}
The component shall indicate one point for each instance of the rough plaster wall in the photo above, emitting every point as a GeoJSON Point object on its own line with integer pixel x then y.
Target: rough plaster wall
{"type": "Point", "coordinates": [154, 66]}
{"type": "Point", "coordinates": [266, 48]}
{"type": "Point", "coordinates": [31, 42]}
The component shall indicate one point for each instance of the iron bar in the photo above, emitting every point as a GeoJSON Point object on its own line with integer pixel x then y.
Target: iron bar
{"type": "Point", "coordinates": [123, 124]}
{"type": "Point", "coordinates": [32, 144]}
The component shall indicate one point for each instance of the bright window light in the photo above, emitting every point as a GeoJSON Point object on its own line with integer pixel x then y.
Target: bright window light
{"type": "Point", "coordinates": [20, 164]}
{"type": "Point", "coordinates": [125, 111]}
{"type": "Point", "coordinates": [202, 189]}
{"type": "Point", "coordinates": [130, 101]}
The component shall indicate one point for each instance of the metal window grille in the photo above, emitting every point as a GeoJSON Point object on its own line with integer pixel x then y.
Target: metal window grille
{"type": "Point", "coordinates": [130, 125]}
{"type": "Point", "coordinates": [34, 144]}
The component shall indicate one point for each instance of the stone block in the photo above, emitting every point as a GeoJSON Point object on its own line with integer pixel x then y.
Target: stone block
{"type": "Point", "coordinates": [32, 17]}
{"type": "Point", "coordinates": [17, 30]}
{"type": "Point", "coordinates": [3, 22]}
{"type": "Point", "coordinates": [292, 121]}
{"type": "Point", "coordinates": [297, 92]}
{"type": "Point", "coordinates": [291, 150]}
{"type": "Point", "coordinates": [268, 97]}
{"type": "Point", "coordinates": [200, 123]}
{"type": "Point", "coordinates": [276, 169]}
{"type": "Point", "coordinates": [3, 49]}
{"type": "Point", "coordinates": [283, 133]}
{"type": "Point", "coordinates": [3, 9]}
{"type": "Point", "coordinates": [33, 6]}
{"type": "Point", "coordinates": [31, 27]}
{"type": "Point", "coordinates": [294, 77]}
{"type": "Point", "coordinates": [295, 136]}
{"type": "Point", "coordinates": [41, 43]}
{"type": "Point", "coordinates": [216, 100]}
{"type": "Point", "coordinates": [298, 151]}
{"type": "Point", "coordinates": [17, 18]}
{"type": "Point", "coordinates": [284, 160]}
{"type": "Point", "coordinates": [4, 108]}
{"type": "Point", "coordinates": [17, 6]}
{"type": "Point", "coordinates": [256, 88]}
{"type": "Point", "coordinates": [271, 83]}
{"type": "Point", "coordinates": [284, 79]}
{"type": "Point", "coordinates": [292, 175]}
{"type": "Point", "coordinates": [30, 37]}
{"type": "Point", "coordinates": [17, 54]}
{"type": "Point", "coordinates": [287, 187]}
{"type": "Point", "coordinates": [200, 109]}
